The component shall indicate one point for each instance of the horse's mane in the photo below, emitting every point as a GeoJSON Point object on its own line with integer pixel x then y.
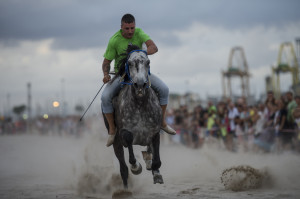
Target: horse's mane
{"type": "Point", "coordinates": [122, 62]}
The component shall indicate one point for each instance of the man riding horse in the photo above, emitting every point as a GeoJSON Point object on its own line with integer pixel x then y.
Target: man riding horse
{"type": "Point", "coordinates": [117, 45]}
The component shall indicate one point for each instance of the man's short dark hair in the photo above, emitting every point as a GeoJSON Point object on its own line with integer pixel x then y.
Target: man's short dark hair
{"type": "Point", "coordinates": [128, 18]}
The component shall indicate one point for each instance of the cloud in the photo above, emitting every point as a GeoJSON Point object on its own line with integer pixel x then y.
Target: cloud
{"type": "Point", "coordinates": [83, 24]}
{"type": "Point", "coordinates": [204, 51]}
{"type": "Point", "coordinates": [46, 42]}
{"type": "Point", "coordinates": [45, 68]}
{"type": "Point", "coordinates": [195, 64]}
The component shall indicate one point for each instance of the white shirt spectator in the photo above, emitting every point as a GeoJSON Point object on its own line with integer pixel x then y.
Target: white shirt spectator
{"type": "Point", "coordinates": [233, 112]}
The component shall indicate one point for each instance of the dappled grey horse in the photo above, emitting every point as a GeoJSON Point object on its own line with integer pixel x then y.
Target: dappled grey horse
{"type": "Point", "coordinates": [138, 115]}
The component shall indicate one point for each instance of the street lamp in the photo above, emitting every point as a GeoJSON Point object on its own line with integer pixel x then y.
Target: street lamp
{"type": "Point", "coordinates": [55, 104]}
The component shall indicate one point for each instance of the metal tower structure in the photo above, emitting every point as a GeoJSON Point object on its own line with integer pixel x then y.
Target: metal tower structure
{"type": "Point", "coordinates": [269, 84]}
{"type": "Point", "coordinates": [298, 49]}
{"type": "Point", "coordinates": [237, 67]}
{"type": "Point", "coordinates": [286, 63]}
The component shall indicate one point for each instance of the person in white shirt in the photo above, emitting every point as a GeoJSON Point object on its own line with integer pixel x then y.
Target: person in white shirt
{"type": "Point", "coordinates": [233, 112]}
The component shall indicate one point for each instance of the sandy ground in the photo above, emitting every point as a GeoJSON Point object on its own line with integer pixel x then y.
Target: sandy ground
{"type": "Point", "coordinates": [33, 166]}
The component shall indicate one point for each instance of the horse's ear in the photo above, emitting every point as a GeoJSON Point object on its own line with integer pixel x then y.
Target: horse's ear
{"type": "Point", "coordinates": [129, 47]}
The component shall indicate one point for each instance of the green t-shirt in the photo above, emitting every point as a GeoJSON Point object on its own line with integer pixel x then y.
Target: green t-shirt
{"type": "Point", "coordinates": [117, 45]}
{"type": "Point", "coordinates": [211, 122]}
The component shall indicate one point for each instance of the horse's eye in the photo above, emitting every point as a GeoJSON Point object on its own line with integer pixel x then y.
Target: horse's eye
{"type": "Point", "coordinates": [148, 62]}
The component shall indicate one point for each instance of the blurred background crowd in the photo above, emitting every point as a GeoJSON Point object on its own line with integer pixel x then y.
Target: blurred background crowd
{"type": "Point", "coordinates": [52, 125]}
{"type": "Point", "coordinates": [271, 126]}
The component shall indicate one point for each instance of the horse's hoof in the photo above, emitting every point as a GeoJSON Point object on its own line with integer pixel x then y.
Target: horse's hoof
{"type": "Point", "coordinates": [136, 168]}
{"type": "Point", "coordinates": [157, 178]}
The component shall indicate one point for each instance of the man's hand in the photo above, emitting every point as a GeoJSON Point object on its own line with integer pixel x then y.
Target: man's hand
{"type": "Point", "coordinates": [106, 78]}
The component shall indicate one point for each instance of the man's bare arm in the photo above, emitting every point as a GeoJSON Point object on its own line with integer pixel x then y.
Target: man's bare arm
{"type": "Point", "coordinates": [106, 69]}
{"type": "Point", "coordinates": [151, 47]}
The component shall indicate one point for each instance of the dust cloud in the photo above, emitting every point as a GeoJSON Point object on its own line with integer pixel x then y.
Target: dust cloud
{"type": "Point", "coordinates": [189, 172]}
{"type": "Point", "coordinates": [33, 166]}
{"type": "Point", "coordinates": [245, 177]}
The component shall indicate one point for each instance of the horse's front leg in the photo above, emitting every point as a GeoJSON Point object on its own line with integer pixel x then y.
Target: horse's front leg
{"type": "Point", "coordinates": [136, 167]}
{"type": "Point", "coordinates": [119, 152]}
{"type": "Point", "coordinates": [156, 163]}
{"type": "Point", "coordinates": [147, 156]}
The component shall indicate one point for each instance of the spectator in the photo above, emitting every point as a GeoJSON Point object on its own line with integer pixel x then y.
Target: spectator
{"type": "Point", "coordinates": [296, 115]}
{"type": "Point", "coordinates": [260, 119]}
{"type": "Point", "coordinates": [239, 132]}
{"type": "Point", "coordinates": [197, 126]}
{"type": "Point", "coordinates": [285, 134]}
{"type": "Point", "coordinates": [225, 127]}
{"type": "Point", "coordinates": [233, 112]}
{"type": "Point", "coordinates": [291, 105]}
{"type": "Point", "coordinates": [269, 102]}
{"type": "Point", "coordinates": [265, 139]}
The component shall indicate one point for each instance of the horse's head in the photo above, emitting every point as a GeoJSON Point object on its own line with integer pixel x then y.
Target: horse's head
{"type": "Point", "coordinates": [138, 66]}
{"type": "Point", "coordinates": [135, 70]}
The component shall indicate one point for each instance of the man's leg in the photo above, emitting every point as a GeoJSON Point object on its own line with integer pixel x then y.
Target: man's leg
{"type": "Point", "coordinates": [164, 125]}
{"type": "Point", "coordinates": [112, 129]}
{"type": "Point", "coordinates": [111, 90]}
{"type": "Point", "coordinates": [163, 93]}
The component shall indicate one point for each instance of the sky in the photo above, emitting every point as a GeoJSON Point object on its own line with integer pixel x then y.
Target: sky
{"type": "Point", "coordinates": [58, 45]}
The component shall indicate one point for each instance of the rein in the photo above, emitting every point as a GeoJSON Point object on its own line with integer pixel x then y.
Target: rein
{"type": "Point", "coordinates": [127, 72]}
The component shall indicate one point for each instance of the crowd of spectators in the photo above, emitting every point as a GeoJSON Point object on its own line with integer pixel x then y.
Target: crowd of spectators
{"type": "Point", "coordinates": [52, 125]}
{"type": "Point", "coordinates": [271, 126]}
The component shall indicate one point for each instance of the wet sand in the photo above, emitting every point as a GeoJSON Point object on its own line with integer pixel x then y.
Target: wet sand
{"type": "Point", "coordinates": [33, 166]}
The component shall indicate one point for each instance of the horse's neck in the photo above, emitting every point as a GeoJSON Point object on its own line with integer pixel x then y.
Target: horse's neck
{"type": "Point", "coordinates": [129, 95]}
{"type": "Point", "coordinates": [139, 110]}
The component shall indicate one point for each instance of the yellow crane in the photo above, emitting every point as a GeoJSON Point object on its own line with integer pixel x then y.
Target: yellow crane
{"type": "Point", "coordinates": [286, 63]}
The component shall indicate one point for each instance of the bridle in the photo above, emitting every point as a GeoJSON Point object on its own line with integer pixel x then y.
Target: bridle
{"type": "Point", "coordinates": [127, 72]}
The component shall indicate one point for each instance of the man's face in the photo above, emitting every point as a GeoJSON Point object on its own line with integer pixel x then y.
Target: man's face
{"type": "Point", "coordinates": [270, 95]}
{"type": "Point", "coordinates": [289, 96]}
{"type": "Point", "coordinates": [128, 30]}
